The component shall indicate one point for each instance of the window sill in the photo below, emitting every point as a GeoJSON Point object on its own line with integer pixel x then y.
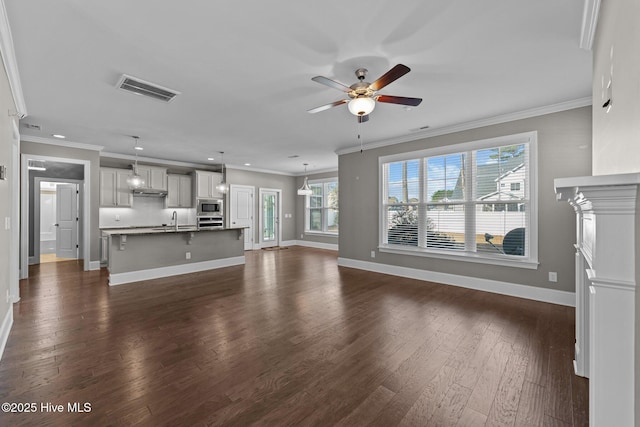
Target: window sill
{"type": "Point", "coordinates": [465, 257]}
{"type": "Point", "coordinates": [321, 233]}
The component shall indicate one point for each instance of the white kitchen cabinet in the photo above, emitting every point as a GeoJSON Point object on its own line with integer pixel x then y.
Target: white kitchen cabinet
{"type": "Point", "coordinates": [155, 178]}
{"type": "Point", "coordinates": [206, 183]}
{"type": "Point", "coordinates": [114, 189]}
{"type": "Point", "coordinates": [179, 191]}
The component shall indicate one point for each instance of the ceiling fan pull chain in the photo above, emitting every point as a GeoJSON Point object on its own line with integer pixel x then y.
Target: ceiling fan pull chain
{"type": "Point", "coordinates": [360, 137]}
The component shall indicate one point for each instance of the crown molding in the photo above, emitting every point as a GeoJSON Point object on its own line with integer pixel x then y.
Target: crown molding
{"type": "Point", "coordinates": [10, 63]}
{"type": "Point", "coordinates": [310, 173]}
{"type": "Point", "coordinates": [60, 143]}
{"type": "Point", "coordinates": [154, 160]}
{"type": "Point", "coordinates": [257, 170]}
{"type": "Point", "coordinates": [589, 23]}
{"type": "Point", "coordinates": [474, 124]}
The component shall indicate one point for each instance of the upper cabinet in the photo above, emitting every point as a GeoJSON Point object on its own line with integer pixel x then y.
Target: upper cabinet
{"type": "Point", "coordinates": [114, 188]}
{"type": "Point", "coordinates": [206, 183]}
{"type": "Point", "coordinates": [179, 191]}
{"type": "Point", "coordinates": [155, 178]}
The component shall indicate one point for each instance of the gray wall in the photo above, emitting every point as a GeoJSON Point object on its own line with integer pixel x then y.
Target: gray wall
{"type": "Point", "coordinates": [6, 204]}
{"type": "Point", "coordinates": [79, 154]}
{"type": "Point", "coordinates": [616, 134]}
{"type": "Point", "coordinates": [273, 181]}
{"type": "Point", "coordinates": [560, 136]}
{"type": "Point", "coordinates": [300, 234]}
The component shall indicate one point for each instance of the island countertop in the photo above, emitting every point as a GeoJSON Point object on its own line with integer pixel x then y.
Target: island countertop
{"type": "Point", "coordinates": [136, 254]}
{"type": "Point", "coordinates": [160, 230]}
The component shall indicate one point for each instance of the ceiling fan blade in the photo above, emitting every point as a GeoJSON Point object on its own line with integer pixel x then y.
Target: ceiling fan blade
{"type": "Point", "coordinates": [327, 106]}
{"type": "Point", "coordinates": [362, 119]}
{"type": "Point", "coordinates": [331, 83]}
{"type": "Point", "coordinates": [390, 76]}
{"type": "Point", "coordinates": [414, 102]}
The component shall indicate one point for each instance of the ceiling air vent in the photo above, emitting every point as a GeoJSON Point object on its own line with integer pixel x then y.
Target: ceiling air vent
{"type": "Point", "coordinates": [32, 126]}
{"type": "Point", "coordinates": [141, 87]}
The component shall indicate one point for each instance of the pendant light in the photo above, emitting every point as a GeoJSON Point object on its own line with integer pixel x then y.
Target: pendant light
{"type": "Point", "coordinates": [305, 190]}
{"type": "Point", "coordinates": [135, 181]}
{"type": "Point", "coordinates": [223, 187]}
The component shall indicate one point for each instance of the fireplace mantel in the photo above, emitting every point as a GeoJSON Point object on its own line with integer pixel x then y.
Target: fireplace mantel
{"type": "Point", "coordinates": [605, 290]}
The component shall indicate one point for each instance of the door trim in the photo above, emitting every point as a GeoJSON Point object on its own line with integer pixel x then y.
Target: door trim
{"type": "Point", "coordinates": [85, 193]}
{"type": "Point", "coordinates": [36, 214]}
{"type": "Point", "coordinates": [261, 243]}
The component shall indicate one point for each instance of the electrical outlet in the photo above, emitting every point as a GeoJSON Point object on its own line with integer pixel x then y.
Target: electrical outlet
{"type": "Point", "coordinates": [117, 217]}
{"type": "Point", "coordinates": [7, 223]}
{"type": "Point", "coordinates": [188, 255]}
{"type": "Point", "coordinates": [302, 236]}
{"type": "Point", "coordinates": [7, 295]}
{"type": "Point", "coordinates": [373, 254]}
{"type": "Point", "coordinates": [553, 276]}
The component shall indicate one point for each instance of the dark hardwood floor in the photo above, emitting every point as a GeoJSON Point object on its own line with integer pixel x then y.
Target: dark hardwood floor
{"type": "Point", "coordinates": [287, 339]}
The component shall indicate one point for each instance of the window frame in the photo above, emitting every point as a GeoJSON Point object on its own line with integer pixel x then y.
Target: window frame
{"type": "Point", "coordinates": [324, 207]}
{"type": "Point", "coordinates": [529, 262]}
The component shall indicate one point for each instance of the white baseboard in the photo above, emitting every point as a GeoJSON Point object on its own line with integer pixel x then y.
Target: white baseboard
{"type": "Point", "coordinates": [288, 243]}
{"type": "Point", "coordinates": [317, 245]}
{"type": "Point", "coordinates": [504, 288]}
{"type": "Point", "coordinates": [94, 265]}
{"type": "Point", "coordinates": [173, 270]}
{"type": "Point", "coordinates": [33, 260]}
{"type": "Point", "coordinates": [7, 323]}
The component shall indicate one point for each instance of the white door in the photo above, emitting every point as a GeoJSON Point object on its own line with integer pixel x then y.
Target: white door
{"type": "Point", "coordinates": [241, 211]}
{"type": "Point", "coordinates": [67, 221]}
{"type": "Point", "coordinates": [269, 218]}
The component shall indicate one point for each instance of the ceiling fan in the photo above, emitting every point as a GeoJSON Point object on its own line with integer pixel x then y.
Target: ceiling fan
{"type": "Point", "coordinates": [363, 95]}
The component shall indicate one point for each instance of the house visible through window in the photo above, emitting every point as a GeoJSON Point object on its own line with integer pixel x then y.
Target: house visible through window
{"type": "Point", "coordinates": [322, 213]}
{"type": "Point", "coordinates": [471, 200]}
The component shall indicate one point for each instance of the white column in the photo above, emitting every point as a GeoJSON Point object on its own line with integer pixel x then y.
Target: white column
{"type": "Point", "coordinates": [605, 262]}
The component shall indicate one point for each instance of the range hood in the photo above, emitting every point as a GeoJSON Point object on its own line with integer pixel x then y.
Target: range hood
{"type": "Point", "coordinates": [149, 192]}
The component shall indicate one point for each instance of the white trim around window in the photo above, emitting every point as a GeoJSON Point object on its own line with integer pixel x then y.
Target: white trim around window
{"type": "Point", "coordinates": [470, 250]}
{"type": "Point", "coordinates": [330, 211]}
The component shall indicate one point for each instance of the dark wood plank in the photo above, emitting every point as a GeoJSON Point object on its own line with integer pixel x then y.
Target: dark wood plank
{"type": "Point", "coordinates": [289, 338]}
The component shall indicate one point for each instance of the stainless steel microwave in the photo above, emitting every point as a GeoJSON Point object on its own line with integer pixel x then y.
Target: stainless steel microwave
{"type": "Point", "coordinates": [210, 207]}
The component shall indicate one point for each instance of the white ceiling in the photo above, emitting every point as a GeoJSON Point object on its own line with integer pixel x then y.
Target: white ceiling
{"type": "Point", "coordinates": [244, 71]}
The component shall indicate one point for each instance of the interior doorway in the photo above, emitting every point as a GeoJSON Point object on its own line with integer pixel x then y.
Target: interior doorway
{"type": "Point", "coordinates": [270, 212]}
{"type": "Point", "coordinates": [58, 217]}
{"type": "Point", "coordinates": [53, 169]}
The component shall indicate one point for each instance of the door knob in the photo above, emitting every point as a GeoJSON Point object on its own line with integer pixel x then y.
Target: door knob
{"type": "Point", "coordinates": [56, 225]}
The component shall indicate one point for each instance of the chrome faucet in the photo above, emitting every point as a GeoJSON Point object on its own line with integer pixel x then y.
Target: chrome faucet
{"type": "Point", "coordinates": [174, 217]}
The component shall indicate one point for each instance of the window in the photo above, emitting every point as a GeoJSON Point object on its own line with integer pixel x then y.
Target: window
{"type": "Point", "coordinates": [473, 201]}
{"type": "Point", "coordinates": [322, 207]}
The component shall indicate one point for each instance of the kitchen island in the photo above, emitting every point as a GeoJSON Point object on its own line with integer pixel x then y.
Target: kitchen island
{"type": "Point", "coordinates": [136, 254]}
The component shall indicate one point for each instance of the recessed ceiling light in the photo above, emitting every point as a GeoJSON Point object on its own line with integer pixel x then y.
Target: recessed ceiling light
{"type": "Point", "coordinates": [295, 156]}
{"type": "Point", "coordinates": [210, 158]}
{"type": "Point", "coordinates": [55, 135]}
{"type": "Point", "coordinates": [247, 164]}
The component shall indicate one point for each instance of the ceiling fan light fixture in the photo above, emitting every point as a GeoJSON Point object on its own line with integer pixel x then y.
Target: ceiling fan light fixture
{"type": "Point", "coordinates": [361, 106]}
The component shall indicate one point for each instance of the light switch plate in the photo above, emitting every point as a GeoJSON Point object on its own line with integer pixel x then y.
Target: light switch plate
{"type": "Point", "coordinates": [3, 172]}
